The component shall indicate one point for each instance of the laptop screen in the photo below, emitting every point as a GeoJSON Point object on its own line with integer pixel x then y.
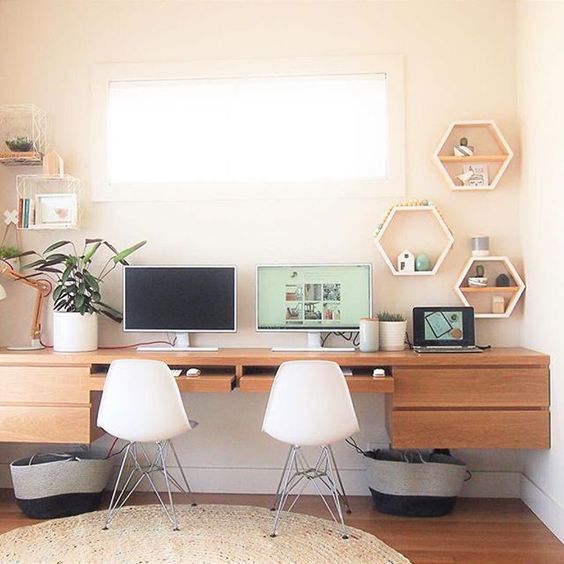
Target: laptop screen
{"type": "Point", "coordinates": [435, 326]}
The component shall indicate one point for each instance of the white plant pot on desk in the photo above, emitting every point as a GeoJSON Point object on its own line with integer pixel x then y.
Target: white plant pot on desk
{"type": "Point", "coordinates": [392, 335]}
{"type": "Point", "coordinates": [73, 332]}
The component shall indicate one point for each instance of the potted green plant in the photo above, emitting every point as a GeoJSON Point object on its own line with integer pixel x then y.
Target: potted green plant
{"type": "Point", "coordinates": [10, 254]}
{"type": "Point", "coordinates": [77, 294]}
{"type": "Point", "coordinates": [392, 331]}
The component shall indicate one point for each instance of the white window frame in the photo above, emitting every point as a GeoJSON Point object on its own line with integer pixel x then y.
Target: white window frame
{"type": "Point", "coordinates": [392, 186]}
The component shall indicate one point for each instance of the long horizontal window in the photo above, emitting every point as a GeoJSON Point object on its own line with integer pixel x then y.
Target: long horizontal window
{"type": "Point", "coordinates": [273, 129]}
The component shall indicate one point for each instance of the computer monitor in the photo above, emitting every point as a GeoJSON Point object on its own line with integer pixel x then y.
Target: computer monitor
{"type": "Point", "coordinates": [181, 300]}
{"type": "Point", "coordinates": [313, 298]}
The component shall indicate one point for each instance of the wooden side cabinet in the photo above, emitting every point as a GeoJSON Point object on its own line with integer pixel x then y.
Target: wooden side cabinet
{"type": "Point", "coordinates": [470, 407]}
{"type": "Point", "coordinates": [47, 404]}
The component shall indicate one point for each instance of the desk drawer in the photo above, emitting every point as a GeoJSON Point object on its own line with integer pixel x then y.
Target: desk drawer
{"type": "Point", "coordinates": [45, 424]}
{"type": "Point", "coordinates": [471, 387]}
{"type": "Point", "coordinates": [471, 429]}
{"type": "Point", "coordinates": [43, 384]}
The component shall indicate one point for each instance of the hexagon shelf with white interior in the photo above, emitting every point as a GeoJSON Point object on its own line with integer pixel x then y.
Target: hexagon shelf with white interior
{"type": "Point", "coordinates": [415, 231]}
{"type": "Point", "coordinates": [488, 299]}
{"type": "Point", "coordinates": [473, 155]}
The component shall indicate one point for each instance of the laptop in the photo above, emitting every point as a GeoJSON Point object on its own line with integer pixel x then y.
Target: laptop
{"type": "Point", "coordinates": [448, 329]}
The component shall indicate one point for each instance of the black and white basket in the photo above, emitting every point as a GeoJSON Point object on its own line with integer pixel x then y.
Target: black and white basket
{"type": "Point", "coordinates": [59, 485]}
{"type": "Point", "coordinates": [414, 484]}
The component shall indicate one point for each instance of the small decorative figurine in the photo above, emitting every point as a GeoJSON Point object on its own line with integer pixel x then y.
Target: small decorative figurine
{"type": "Point", "coordinates": [406, 261]}
{"type": "Point", "coordinates": [502, 281]}
{"type": "Point", "coordinates": [422, 262]}
{"type": "Point", "coordinates": [463, 149]}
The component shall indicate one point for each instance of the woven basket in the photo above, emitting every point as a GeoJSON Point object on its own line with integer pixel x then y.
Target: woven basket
{"type": "Point", "coordinates": [414, 484]}
{"type": "Point", "coordinates": [59, 485]}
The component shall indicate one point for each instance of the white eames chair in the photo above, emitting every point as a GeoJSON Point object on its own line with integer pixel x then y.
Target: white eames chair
{"type": "Point", "coordinates": [141, 404]}
{"type": "Point", "coordinates": [310, 405]}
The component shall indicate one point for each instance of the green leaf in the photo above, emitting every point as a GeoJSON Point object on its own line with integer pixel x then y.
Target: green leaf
{"type": "Point", "coordinates": [79, 301]}
{"type": "Point", "coordinates": [57, 245]}
{"type": "Point", "coordinates": [90, 253]}
{"type": "Point", "coordinates": [88, 241]}
{"type": "Point", "coordinates": [91, 280]}
{"type": "Point", "coordinates": [56, 256]}
{"type": "Point", "coordinates": [59, 291]}
{"type": "Point", "coordinates": [66, 274]}
{"type": "Point", "coordinates": [117, 318]}
{"type": "Point", "coordinates": [34, 264]}
{"type": "Point", "coordinates": [49, 269]}
{"type": "Point", "coordinates": [26, 254]}
{"type": "Point", "coordinates": [126, 252]}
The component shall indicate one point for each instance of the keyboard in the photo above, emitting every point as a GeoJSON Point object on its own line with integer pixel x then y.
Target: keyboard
{"type": "Point", "coordinates": [447, 349]}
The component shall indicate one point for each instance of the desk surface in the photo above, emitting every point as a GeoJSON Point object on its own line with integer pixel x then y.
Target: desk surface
{"type": "Point", "coordinates": [514, 356]}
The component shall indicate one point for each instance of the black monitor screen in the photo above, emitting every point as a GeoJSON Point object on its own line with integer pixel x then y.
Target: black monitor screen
{"type": "Point", "coordinates": [195, 298]}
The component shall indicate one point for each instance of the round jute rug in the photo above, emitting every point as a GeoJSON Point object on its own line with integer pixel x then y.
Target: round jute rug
{"type": "Point", "coordinates": [208, 534]}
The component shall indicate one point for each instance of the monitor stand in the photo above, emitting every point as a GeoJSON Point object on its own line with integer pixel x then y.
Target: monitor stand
{"type": "Point", "coordinates": [314, 345]}
{"type": "Point", "coordinates": [182, 344]}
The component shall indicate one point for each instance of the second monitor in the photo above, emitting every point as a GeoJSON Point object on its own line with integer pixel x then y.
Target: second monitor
{"type": "Point", "coordinates": [313, 299]}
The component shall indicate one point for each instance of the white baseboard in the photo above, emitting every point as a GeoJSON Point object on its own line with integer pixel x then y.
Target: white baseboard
{"type": "Point", "coordinates": [547, 509]}
{"type": "Point", "coordinates": [264, 481]}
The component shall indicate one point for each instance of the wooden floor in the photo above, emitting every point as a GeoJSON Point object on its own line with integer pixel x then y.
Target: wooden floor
{"type": "Point", "coordinates": [500, 531]}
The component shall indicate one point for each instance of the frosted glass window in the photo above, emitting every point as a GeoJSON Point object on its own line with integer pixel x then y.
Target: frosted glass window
{"type": "Point", "coordinates": [294, 128]}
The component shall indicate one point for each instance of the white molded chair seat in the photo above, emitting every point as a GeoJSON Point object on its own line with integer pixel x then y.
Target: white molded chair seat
{"type": "Point", "coordinates": [310, 405]}
{"type": "Point", "coordinates": [141, 403]}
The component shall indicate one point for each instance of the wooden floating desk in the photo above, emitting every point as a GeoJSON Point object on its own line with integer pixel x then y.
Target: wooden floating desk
{"type": "Point", "coordinates": [498, 399]}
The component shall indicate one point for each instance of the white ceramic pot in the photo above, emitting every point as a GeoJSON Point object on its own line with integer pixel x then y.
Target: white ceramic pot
{"type": "Point", "coordinates": [369, 334]}
{"type": "Point", "coordinates": [73, 332]}
{"type": "Point", "coordinates": [392, 335]}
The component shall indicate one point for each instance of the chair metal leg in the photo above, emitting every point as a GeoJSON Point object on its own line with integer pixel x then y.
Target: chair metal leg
{"type": "Point", "coordinates": [188, 489]}
{"type": "Point", "coordinates": [284, 492]}
{"type": "Point", "coordinates": [162, 451]}
{"type": "Point", "coordinates": [277, 494]}
{"type": "Point", "coordinates": [144, 467]}
{"type": "Point", "coordinates": [122, 466]}
{"type": "Point", "coordinates": [336, 498]}
{"type": "Point", "coordinates": [298, 470]}
{"type": "Point", "coordinates": [342, 492]}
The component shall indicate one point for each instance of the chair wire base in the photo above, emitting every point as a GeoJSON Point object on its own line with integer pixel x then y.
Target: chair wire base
{"type": "Point", "coordinates": [138, 465]}
{"type": "Point", "coordinates": [297, 471]}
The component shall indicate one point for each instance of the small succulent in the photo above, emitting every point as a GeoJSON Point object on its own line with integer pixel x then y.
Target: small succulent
{"type": "Point", "coordinates": [18, 144]}
{"type": "Point", "coordinates": [8, 252]}
{"type": "Point", "coordinates": [387, 316]}
{"type": "Point", "coordinates": [464, 141]}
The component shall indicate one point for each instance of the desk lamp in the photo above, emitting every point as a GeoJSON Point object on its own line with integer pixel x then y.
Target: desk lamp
{"type": "Point", "coordinates": [43, 288]}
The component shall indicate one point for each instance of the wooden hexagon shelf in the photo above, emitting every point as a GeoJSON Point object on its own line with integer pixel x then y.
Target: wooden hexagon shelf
{"type": "Point", "coordinates": [418, 229]}
{"type": "Point", "coordinates": [481, 170]}
{"type": "Point", "coordinates": [481, 299]}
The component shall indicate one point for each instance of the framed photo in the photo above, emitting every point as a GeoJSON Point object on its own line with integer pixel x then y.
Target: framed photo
{"type": "Point", "coordinates": [478, 175]}
{"type": "Point", "coordinates": [56, 209]}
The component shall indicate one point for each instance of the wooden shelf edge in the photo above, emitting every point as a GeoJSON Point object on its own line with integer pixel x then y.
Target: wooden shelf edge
{"type": "Point", "coordinates": [489, 289]}
{"type": "Point", "coordinates": [473, 159]}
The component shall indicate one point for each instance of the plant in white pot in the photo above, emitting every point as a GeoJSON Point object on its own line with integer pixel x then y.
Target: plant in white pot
{"type": "Point", "coordinates": [77, 295]}
{"type": "Point", "coordinates": [393, 327]}
{"type": "Point", "coordinates": [10, 254]}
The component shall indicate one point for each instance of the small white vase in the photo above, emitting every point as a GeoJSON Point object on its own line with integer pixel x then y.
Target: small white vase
{"type": "Point", "coordinates": [369, 334]}
{"type": "Point", "coordinates": [392, 335]}
{"type": "Point", "coordinates": [73, 332]}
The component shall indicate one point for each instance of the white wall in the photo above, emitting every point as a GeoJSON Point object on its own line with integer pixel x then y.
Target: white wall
{"type": "Point", "coordinates": [541, 91]}
{"type": "Point", "coordinates": [460, 64]}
